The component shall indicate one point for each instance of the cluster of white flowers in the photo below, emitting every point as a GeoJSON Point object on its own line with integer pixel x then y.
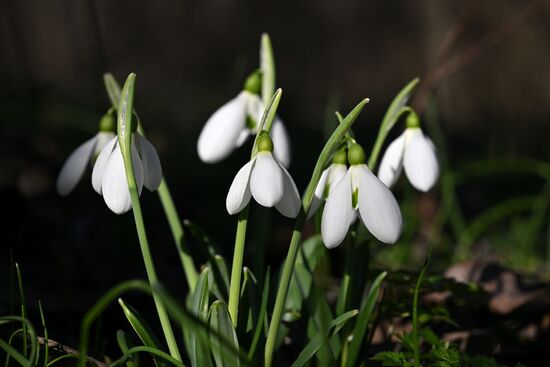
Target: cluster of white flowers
{"type": "Point", "coordinates": [349, 192]}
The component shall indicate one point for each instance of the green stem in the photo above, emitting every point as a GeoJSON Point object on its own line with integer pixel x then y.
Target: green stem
{"type": "Point", "coordinates": [125, 140]}
{"type": "Point", "coordinates": [177, 233]}
{"type": "Point", "coordinates": [288, 268]}
{"type": "Point", "coordinates": [150, 269]}
{"type": "Point", "coordinates": [416, 340]}
{"type": "Point", "coordinates": [237, 268]}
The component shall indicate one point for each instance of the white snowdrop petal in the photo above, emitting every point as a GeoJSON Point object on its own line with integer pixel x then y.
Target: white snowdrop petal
{"type": "Point", "coordinates": [290, 204]}
{"type": "Point", "coordinates": [335, 174]}
{"type": "Point", "coordinates": [74, 167]}
{"type": "Point", "coordinates": [318, 196]}
{"type": "Point", "coordinates": [114, 184]}
{"type": "Point", "coordinates": [239, 192]}
{"type": "Point", "coordinates": [378, 208]}
{"type": "Point", "coordinates": [220, 133]}
{"type": "Point", "coordinates": [139, 174]}
{"type": "Point", "coordinates": [420, 161]}
{"type": "Point", "coordinates": [243, 137]}
{"type": "Point", "coordinates": [391, 165]}
{"type": "Point", "coordinates": [266, 180]}
{"type": "Point", "coordinates": [103, 138]}
{"type": "Point", "coordinates": [281, 142]}
{"type": "Point", "coordinates": [100, 163]}
{"type": "Point", "coordinates": [152, 170]}
{"type": "Point", "coordinates": [337, 213]}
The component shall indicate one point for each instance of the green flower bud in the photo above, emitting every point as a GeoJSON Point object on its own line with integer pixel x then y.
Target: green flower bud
{"type": "Point", "coordinates": [253, 83]}
{"type": "Point", "coordinates": [340, 157]}
{"type": "Point", "coordinates": [356, 154]}
{"type": "Point", "coordinates": [107, 123]}
{"type": "Point", "coordinates": [413, 120]}
{"type": "Point", "coordinates": [250, 123]}
{"type": "Point", "coordinates": [264, 143]}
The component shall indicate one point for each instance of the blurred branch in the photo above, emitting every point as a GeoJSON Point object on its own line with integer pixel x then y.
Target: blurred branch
{"type": "Point", "coordinates": [454, 64]}
{"type": "Point", "coordinates": [52, 344]}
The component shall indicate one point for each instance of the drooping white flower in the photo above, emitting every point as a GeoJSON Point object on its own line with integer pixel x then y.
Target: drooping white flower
{"type": "Point", "coordinates": [267, 181]}
{"type": "Point", "coordinates": [329, 179]}
{"type": "Point", "coordinates": [416, 153]}
{"type": "Point", "coordinates": [109, 173]}
{"type": "Point", "coordinates": [231, 125]}
{"type": "Point", "coordinates": [73, 169]}
{"type": "Point", "coordinates": [360, 190]}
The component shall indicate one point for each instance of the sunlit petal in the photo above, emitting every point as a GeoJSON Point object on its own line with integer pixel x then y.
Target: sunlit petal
{"type": "Point", "coordinates": [290, 204]}
{"type": "Point", "coordinates": [220, 133]}
{"type": "Point", "coordinates": [114, 184]}
{"type": "Point", "coordinates": [337, 213]}
{"type": "Point", "coordinates": [254, 107]}
{"type": "Point", "coordinates": [243, 137]}
{"type": "Point", "coordinates": [239, 192]}
{"type": "Point", "coordinates": [420, 161]}
{"type": "Point", "coordinates": [152, 170]}
{"type": "Point", "coordinates": [335, 173]}
{"type": "Point", "coordinates": [378, 208]}
{"type": "Point", "coordinates": [281, 142]}
{"type": "Point", "coordinates": [266, 180]}
{"type": "Point", "coordinates": [392, 162]}
{"type": "Point", "coordinates": [100, 163]}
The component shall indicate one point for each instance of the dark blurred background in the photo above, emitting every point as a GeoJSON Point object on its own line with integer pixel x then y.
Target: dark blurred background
{"type": "Point", "coordinates": [484, 69]}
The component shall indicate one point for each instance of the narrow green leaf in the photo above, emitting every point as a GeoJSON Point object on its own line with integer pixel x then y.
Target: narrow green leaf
{"type": "Point", "coordinates": [122, 341]}
{"type": "Point", "coordinates": [15, 354]}
{"type": "Point", "coordinates": [220, 321]}
{"type": "Point", "coordinates": [198, 304]}
{"type": "Point", "coordinates": [363, 321]}
{"type": "Point", "coordinates": [416, 341]}
{"type": "Point", "coordinates": [140, 326]}
{"type": "Point", "coordinates": [143, 349]}
{"type": "Point", "coordinates": [260, 322]}
{"type": "Point", "coordinates": [45, 329]}
{"type": "Point", "coordinates": [316, 342]}
{"type": "Point", "coordinates": [30, 334]}
{"type": "Point", "coordinates": [23, 306]}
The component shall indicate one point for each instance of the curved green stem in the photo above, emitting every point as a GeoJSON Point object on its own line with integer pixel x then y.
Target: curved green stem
{"type": "Point", "coordinates": [177, 233]}
{"type": "Point", "coordinates": [237, 268]}
{"type": "Point", "coordinates": [125, 134]}
{"type": "Point", "coordinates": [288, 268]}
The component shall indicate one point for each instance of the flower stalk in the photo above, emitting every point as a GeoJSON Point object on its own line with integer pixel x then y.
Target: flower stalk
{"type": "Point", "coordinates": [240, 237]}
{"type": "Point", "coordinates": [125, 111]}
{"type": "Point", "coordinates": [174, 221]}
{"type": "Point", "coordinates": [288, 267]}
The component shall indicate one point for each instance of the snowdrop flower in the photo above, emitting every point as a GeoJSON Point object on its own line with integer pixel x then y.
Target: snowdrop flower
{"type": "Point", "coordinates": [329, 179]}
{"type": "Point", "coordinates": [361, 190]}
{"type": "Point", "coordinates": [231, 125]}
{"type": "Point", "coordinates": [416, 153]}
{"type": "Point", "coordinates": [109, 174]}
{"type": "Point", "coordinates": [83, 156]}
{"type": "Point", "coordinates": [265, 179]}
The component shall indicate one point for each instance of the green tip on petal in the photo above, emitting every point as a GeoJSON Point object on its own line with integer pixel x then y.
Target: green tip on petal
{"type": "Point", "coordinates": [253, 83]}
{"type": "Point", "coordinates": [356, 154]}
{"type": "Point", "coordinates": [264, 143]}
{"type": "Point", "coordinates": [413, 120]}
{"type": "Point", "coordinates": [340, 157]}
{"type": "Point", "coordinates": [108, 122]}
